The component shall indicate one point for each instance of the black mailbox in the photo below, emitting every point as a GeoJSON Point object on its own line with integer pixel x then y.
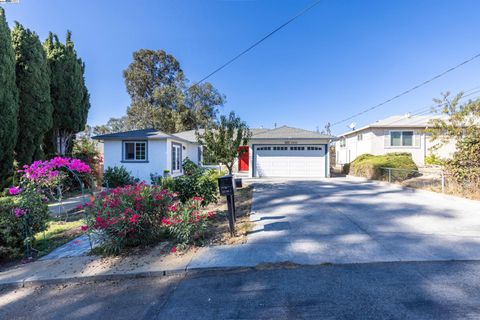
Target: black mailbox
{"type": "Point", "coordinates": [225, 185]}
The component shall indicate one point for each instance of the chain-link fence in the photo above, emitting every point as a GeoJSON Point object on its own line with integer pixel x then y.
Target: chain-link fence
{"type": "Point", "coordinates": [432, 179]}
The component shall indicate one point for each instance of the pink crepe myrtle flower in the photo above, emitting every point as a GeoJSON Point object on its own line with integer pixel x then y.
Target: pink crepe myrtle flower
{"type": "Point", "coordinates": [84, 228]}
{"type": "Point", "coordinates": [13, 191]}
{"type": "Point", "coordinates": [173, 250]}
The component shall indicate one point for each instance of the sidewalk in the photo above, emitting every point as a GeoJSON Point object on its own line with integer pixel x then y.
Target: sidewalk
{"type": "Point", "coordinates": [158, 261]}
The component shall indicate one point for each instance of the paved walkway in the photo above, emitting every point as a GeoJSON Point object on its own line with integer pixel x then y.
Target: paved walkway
{"type": "Point", "coordinates": [341, 220]}
{"type": "Point", "coordinates": [67, 205]}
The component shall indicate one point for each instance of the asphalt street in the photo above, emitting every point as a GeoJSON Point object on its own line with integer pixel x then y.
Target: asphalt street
{"type": "Point", "coordinates": [396, 290]}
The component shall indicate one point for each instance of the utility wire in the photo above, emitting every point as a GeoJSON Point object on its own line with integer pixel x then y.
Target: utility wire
{"type": "Point", "coordinates": [298, 15]}
{"type": "Point", "coordinates": [408, 91]}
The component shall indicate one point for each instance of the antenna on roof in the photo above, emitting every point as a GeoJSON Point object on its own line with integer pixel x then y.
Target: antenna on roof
{"type": "Point", "coordinates": [275, 124]}
{"type": "Point", "coordinates": [352, 125]}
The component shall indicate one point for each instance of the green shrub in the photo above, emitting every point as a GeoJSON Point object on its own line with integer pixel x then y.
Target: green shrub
{"type": "Point", "coordinates": [13, 230]}
{"type": "Point", "coordinates": [117, 177]}
{"type": "Point", "coordinates": [196, 182]}
{"type": "Point", "coordinates": [187, 224]}
{"type": "Point", "coordinates": [370, 166]}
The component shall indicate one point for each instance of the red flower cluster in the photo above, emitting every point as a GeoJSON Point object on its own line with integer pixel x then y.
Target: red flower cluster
{"type": "Point", "coordinates": [129, 211]}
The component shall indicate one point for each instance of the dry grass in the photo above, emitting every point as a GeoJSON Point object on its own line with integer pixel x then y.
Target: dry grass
{"type": "Point", "coordinates": [218, 227]}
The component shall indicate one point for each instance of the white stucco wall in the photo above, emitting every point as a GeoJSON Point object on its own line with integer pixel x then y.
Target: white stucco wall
{"type": "Point", "coordinates": [374, 142]}
{"type": "Point", "coordinates": [158, 157]}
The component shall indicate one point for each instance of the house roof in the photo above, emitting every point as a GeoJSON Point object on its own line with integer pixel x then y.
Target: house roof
{"type": "Point", "coordinates": [399, 121]}
{"type": "Point", "coordinates": [146, 134]}
{"type": "Point", "coordinates": [285, 132]}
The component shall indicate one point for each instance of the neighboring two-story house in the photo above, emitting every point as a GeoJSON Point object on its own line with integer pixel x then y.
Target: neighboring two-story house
{"type": "Point", "coordinates": [403, 133]}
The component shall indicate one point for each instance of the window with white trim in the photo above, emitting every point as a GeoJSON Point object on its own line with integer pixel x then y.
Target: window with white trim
{"type": "Point", "coordinates": [134, 150]}
{"type": "Point", "coordinates": [401, 138]}
{"type": "Point", "coordinates": [360, 137]}
{"type": "Point", "coordinates": [342, 143]}
{"type": "Point", "coordinates": [176, 157]}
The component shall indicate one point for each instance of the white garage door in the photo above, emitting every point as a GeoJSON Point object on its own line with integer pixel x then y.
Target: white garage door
{"type": "Point", "coordinates": [290, 161]}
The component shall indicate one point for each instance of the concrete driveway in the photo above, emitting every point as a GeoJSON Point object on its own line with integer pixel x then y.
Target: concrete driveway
{"type": "Point", "coordinates": [341, 220]}
{"type": "Point", "coordinates": [344, 220]}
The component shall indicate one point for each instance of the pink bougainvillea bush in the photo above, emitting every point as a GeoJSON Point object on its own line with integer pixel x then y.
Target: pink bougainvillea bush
{"type": "Point", "coordinates": [24, 212]}
{"type": "Point", "coordinates": [141, 214]}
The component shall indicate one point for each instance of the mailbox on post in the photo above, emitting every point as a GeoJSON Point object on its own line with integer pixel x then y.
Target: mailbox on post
{"type": "Point", "coordinates": [227, 188]}
{"type": "Point", "coordinates": [225, 185]}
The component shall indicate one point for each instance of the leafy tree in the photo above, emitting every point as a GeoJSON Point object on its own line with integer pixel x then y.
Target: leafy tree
{"type": "Point", "coordinates": [461, 125]}
{"type": "Point", "coordinates": [155, 82]}
{"type": "Point", "coordinates": [114, 125]}
{"type": "Point", "coordinates": [201, 101]}
{"type": "Point", "coordinates": [69, 94]}
{"type": "Point", "coordinates": [162, 99]}
{"type": "Point", "coordinates": [33, 82]}
{"type": "Point", "coordinates": [8, 100]}
{"type": "Point", "coordinates": [223, 139]}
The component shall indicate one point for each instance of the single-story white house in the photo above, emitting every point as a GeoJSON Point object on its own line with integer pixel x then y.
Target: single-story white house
{"type": "Point", "coordinates": [149, 151]}
{"type": "Point", "coordinates": [403, 133]}
{"type": "Point", "coordinates": [279, 152]}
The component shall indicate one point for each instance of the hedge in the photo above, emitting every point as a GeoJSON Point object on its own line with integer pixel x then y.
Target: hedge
{"type": "Point", "coordinates": [370, 166]}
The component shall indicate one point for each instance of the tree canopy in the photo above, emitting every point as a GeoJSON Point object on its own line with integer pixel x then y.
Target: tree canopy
{"type": "Point", "coordinates": [161, 97]}
{"type": "Point", "coordinates": [33, 82]}
{"type": "Point", "coordinates": [461, 125]}
{"type": "Point", "coordinates": [69, 95]}
{"type": "Point", "coordinates": [8, 100]}
{"type": "Point", "coordinates": [222, 139]}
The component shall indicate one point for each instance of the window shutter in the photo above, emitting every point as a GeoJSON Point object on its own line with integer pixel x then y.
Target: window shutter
{"type": "Point", "coordinates": [386, 135]}
{"type": "Point", "coordinates": [417, 136]}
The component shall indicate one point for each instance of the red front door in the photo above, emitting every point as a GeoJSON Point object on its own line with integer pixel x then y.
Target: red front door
{"type": "Point", "coordinates": [243, 158]}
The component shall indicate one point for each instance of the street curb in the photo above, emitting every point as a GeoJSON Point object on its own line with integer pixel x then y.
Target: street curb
{"type": "Point", "coordinates": [121, 276]}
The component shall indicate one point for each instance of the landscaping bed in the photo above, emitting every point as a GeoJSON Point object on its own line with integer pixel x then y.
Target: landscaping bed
{"type": "Point", "coordinates": [218, 227]}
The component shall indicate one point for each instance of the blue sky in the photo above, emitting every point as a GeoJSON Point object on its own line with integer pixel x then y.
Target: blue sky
{"type": "Point", "coordinates": [340, 58]}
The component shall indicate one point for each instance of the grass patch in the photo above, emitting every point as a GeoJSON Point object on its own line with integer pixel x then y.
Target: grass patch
{"type": "Point", "coordinates": [57, 234]}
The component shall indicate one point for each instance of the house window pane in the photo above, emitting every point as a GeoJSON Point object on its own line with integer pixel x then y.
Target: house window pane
{"type": "Point", "coordinates": [395, 139]}
{"type": "Point", "coordinates": [129, 151]}
{"type": "Point", "coordinates": [407, 138]}
{"type": "Point", "coordinates": [140, 151]}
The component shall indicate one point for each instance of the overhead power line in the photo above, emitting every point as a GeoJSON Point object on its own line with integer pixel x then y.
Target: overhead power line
{"type": "Point", "coordinates": [408, 90]}
{"type": "Point", "coordinates": [298, 15]}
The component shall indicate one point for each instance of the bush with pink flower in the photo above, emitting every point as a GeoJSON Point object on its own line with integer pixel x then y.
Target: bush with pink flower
{"type": "Point", "coordinates": [141, 214]}
{"type": "Point", "coordinates": [187, 223]}
{"type": "Point", "coordinates": [24, 212]}
{"type": "Point", "coordinates": [128, 216]}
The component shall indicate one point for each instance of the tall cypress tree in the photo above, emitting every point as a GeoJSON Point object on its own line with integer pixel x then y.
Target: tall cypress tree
{"type": "Point", "coordinates": [69, 95]}
{"type": "Point", "coordinates": [33, 83]}
{"type": "Point", "coordinates": [8, 100]}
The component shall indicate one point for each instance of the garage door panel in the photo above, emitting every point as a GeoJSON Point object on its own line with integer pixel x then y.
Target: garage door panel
{"type": "Point", "coordinates": [291, 161]}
